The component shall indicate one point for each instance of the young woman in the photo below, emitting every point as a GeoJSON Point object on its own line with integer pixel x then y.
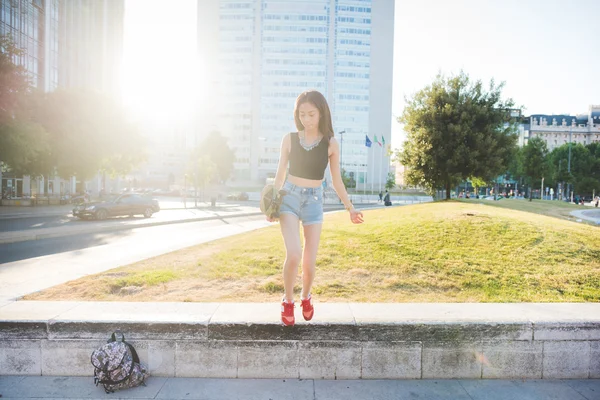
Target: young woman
{"type": "Point", "coordinates": [307, 152]}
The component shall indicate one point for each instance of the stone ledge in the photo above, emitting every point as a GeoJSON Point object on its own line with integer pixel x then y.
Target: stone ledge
{"type": "Point", "coordinates": [344, 341]}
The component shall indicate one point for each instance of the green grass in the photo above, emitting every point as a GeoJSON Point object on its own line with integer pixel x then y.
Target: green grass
{"type": "Point", "coordinates": [557, 209]}
{"type": "Point", "coordinates": [435, 252]}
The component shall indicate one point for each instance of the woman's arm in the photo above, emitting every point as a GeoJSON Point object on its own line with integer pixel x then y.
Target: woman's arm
{"type": "Point", "coordinates": [284, 156]}
{"type": "Point", "coordinates": [338, 184]}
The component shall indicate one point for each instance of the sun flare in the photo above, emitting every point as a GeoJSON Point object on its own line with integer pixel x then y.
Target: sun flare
{"type": "Point", "coordinates": [162, 73]}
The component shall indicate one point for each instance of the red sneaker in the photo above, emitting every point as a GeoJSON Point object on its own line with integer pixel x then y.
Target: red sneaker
{"type": "Point", "coordinates": [287, 313]}
{"type": "Point", "coordinates": [307, 309]}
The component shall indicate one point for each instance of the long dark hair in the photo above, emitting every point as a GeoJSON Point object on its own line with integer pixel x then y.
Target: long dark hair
{"type": "Point", "coordinates": [318, 100]}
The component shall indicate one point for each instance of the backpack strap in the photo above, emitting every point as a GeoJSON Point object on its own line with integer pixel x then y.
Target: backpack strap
{"type": "Point", "coordinates": [134, 354]}
{"type": "Point", "coordinates": [113, 337]}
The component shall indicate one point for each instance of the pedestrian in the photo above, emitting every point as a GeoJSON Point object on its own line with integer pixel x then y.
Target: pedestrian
{"type": "Point", "coordinates": [597, 200]}
{"type": "Point", "coordinates": [380, 196]}
{"type": "Point", "coordinates": [307, 152]}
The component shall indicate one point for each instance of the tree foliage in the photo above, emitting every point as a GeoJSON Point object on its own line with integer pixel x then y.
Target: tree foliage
{"type": "Point", "coordinates": [89, 133]}
{"type": "Point", "coordinates": [217, 150]}
{"type": "Point", "coordinates": [391, 181]}
{"type": "Point", "coordinates": [584, 172]}
{"type": "Point", "coordinates": [23, 141]}
{"type": "Point", "coordinates": [456, 129]}
{"type": "Point", "coordinates": [535, 163]}
{"type": "Point", "coordinates": [65, 132]}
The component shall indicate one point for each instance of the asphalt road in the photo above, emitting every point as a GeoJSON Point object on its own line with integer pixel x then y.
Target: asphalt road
{"type": "Point", "coordinates": [34, 265]}
{"type": "Point", "coordinates": [136, 238]}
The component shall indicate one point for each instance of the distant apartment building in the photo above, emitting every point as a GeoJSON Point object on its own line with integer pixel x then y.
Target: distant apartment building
{"type": "Point", "coordinates": [561, 129]}
{"type": "Point", "coordinates": [261, 54]}
{"type": "Point", "coordinates": [65, 43]}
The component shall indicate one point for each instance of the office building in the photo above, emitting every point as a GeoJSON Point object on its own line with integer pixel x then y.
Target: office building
{"type": "Point", "coordinates": [261, 54]}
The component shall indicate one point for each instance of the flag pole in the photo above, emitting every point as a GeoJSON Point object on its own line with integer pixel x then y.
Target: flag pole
{"type": "Point", "coordinates": [372, 167]}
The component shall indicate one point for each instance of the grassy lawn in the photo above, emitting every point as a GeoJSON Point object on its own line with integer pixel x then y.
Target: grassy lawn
{"type": "Point", "coordinates": [557, 209]}
{"type": "Point", "coordinates": [435, 252]}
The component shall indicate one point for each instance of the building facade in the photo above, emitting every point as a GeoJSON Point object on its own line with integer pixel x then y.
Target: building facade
{"type": "Point", "coordinates": [34, 27]}
{"type": "Point", "coordinates": [261, 54]}
{"type": "Point", "coordinates": [65, 43]}
{"type": "Point", "coordinates": [558, 130]}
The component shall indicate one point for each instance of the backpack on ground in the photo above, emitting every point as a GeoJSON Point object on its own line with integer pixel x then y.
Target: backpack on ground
{"type": "Point", "coordinates": [117, 365]}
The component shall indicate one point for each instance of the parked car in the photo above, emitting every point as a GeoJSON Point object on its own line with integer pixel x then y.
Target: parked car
{"type": "Point", "coordinates": [125, 204]}
{"type": "Point", "coordinates": [238, 196]}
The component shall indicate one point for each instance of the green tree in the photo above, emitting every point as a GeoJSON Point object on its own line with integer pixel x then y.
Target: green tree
{"type": "Point", "coordinates": [477, 183]}
{"type": "Point", "coordinates": [348, 179]}
{"type": "Point", "coordinates": [584, 166]}
{"type": "Point", "coordinates": [89, 133]}
{"type": "Point", "coordinates": [215, 147]}
{"type": "Point", "coordinates": [23, 141]}
{"type": "Point", "coordinates": [535, 161]}
{"type": "Point", "coordinates": [456, 129]}
{"type": "Point", "coordinates": [391, 181]}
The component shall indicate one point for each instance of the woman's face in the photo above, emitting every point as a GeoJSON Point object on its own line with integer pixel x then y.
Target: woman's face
{"type": "Point", "coordinates": [309, 116]}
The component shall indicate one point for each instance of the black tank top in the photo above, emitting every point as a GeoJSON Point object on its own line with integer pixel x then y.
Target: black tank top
{"type": "Point", "coordinates": [308, 164]}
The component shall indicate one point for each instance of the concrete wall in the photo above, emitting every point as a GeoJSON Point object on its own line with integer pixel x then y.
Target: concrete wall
{"type": "Point", "coordinates": [345, 341]}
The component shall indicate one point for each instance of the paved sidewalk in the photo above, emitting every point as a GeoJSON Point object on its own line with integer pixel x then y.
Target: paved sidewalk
{"type": "Point", "coordinates": [589, 215]}
{"type": "Point", "coordinates": [48, 387]}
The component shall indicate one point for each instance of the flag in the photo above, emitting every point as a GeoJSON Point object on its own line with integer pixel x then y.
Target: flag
{"type": "Point", "coordinates": [382, 139]}
{"type": "Point", "coordinates": [367, 141]}
{"type": "Point", "coordinates": [375, 140]}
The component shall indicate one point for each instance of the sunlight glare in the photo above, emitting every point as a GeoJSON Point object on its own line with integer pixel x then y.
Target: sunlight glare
{"type": "Point", "coordinates": [162, 73]}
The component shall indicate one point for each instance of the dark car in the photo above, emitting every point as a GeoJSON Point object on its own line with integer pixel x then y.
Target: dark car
{"type": "Point", "coordinates": [238, 196]}
{"type": "Point", "coordinates": [125, 204]}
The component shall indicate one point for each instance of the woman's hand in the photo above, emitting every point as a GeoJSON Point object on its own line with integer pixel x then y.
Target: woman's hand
{"type": "Point", "coordinates": [272, 219]}
{"type": "Point", "coordinates": [356, 216]}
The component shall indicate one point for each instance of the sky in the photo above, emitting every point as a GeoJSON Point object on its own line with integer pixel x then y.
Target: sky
{"type": "Point", "coordinates": [546, 51]}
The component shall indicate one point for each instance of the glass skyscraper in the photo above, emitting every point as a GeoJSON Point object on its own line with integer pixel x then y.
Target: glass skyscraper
{"type": "Point", "coordinates": [33, 25]}
{"type": "Point", "coordinates": [261, 54]}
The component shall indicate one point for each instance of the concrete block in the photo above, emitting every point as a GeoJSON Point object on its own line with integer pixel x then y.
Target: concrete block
{"type": "Point", "coordinates": [564, 359]}
{"type": "Point", "coordinates": [143, 321]}
{"type": "Point", "coordinates": [268, 360]}
{"type": "Point", "coordinates": [68, 357]}
{"type": "Point", "coordinates": [158, 356]}
{"type": "Point", "coordinates": [20, 357]}
{"type": "Point", "coordinates": [100, 330]}
{"type": "Point", "coordinates": [512, 360]}
{"type": "Point", "coordinates": [10, 329]}
{"type": "Point", "coordinates": [595, 360]}
{"type": "Point", "coordinates": [35, 310]}
{"type": "Point", "coordinates": [210, 359]}
{"type": "Point", "coordinates": [262, 321]}
{"type": "Point", "coordinates": [443, 331]}
{"type": "Point", "coordinates": [391, 360]}
{"type": "Point", "coordinates": [452, 360]}
{"type": "Point", "coordinates": [576, 330]}
{"type": "Point", "coordinates": [329, 360]}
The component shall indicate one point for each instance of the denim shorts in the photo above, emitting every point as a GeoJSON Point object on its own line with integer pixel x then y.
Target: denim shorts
{"type": "Point", "coordinates": [305, 203]}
